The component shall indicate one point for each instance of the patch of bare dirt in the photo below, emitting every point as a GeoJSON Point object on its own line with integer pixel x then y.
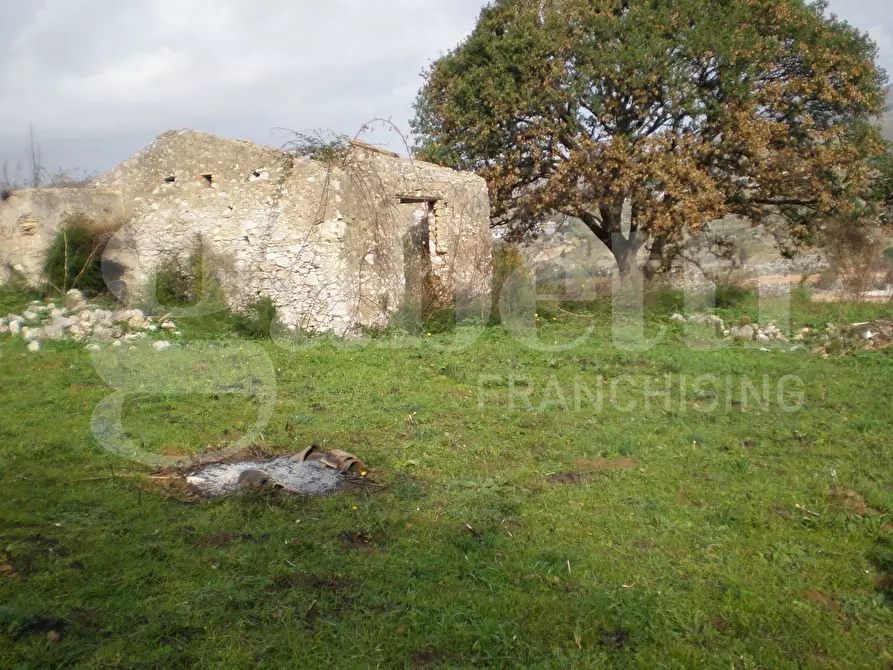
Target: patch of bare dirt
{"type": "Point", "coordinates": [822, 600]}
{"type": "Point", "coordinates": [173, 486]}
{"type": "Point", "coordinates": [719, 623]}
{"type": "Point", "coordinates": [48, 627]}
{"type": "Point", "coordinates": [315, 583]}
{"type": "Point", "coordinates": [616, 639]}
{"type": "Point", "coordinates": [362, 540]}
{"type": "Point", "coordinates": [21, 556]}
{"type": "Point", "coordinates": [427, 657]}
{"type": "Point", "coordinates": [217, 540]}
{"type": "Point", "coordinates": [568, 478]}
{"type": "Point", "coordinates": [853, 502]}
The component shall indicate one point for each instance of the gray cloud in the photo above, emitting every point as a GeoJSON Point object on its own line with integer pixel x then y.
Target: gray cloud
{"type": "Point", "coordinates": [100, 79]}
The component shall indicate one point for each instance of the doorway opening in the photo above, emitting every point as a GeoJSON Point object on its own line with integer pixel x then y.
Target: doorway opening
{"type": "Point", "coordinates": [427, 296]}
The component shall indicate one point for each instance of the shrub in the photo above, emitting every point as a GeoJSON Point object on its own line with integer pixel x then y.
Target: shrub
{"type": "Point", "coordinates": [194, 282]}
{"type": "Point", "coordinates": [663, 299]}
{"type": "Point", "coordinates": [507, 259]}
{"type": "Point", "coordinates": [74, 259]}
{"type": "Point", "coordinates": [173, 286]}
{"type": "Point", "coordinates": [730, 296]}
{"type": "Point", "coordinates": [256, 320]}
{"type": "Point", "coordinates": [854, 256]}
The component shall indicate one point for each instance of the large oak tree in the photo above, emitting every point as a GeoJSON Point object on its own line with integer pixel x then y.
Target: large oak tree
{"type": "Point", "coordinates": [681, 110]}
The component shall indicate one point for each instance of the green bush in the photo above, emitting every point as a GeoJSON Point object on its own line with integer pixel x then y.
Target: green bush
{"type": "Point", "coordinates": [730, 296]}
{"type": "Point", "coordinates": [173, 286]}
{"type": "Point", "coordinates": [256, 320]}
{"type": "Point", "coordinates": [194, 282]}
{"type": "Point", "coordinates": [74, 259]}
{"type": "Point", "coordinates": [188, 284]}
{"type": "Point", "coordinates": [506, 260]}
{"type": "Point", "coordinates": [664, 300]}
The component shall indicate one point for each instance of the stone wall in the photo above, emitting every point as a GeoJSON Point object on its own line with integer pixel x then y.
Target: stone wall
{"type": "Point", "coordinates": [31, 218]}
{"type": "Point", "coordinates": [326, 242]}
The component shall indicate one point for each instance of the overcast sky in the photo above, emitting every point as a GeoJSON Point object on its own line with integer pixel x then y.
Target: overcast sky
{"type": "Point", "coordinates": [99, 79]}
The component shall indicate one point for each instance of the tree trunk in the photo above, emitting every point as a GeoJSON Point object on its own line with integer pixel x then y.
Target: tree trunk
{"type": "Point", "coordinates": [608, 228]}
{"type": "Point", "coordinates": [625, 252]}
{"type": "Point", "coordinates": [657, 262]}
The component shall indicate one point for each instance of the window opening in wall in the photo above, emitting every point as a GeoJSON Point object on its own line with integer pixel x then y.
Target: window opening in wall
{"type": "Point", "coordinates": [170, 179]}
{"type": "Point", "coordinates": [208, 178]}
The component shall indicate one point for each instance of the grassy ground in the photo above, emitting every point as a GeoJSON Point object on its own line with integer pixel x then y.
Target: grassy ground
{"type": "Point", "coordinates": [707, 529]}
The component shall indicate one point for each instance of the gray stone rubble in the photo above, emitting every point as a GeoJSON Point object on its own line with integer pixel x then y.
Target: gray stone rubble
{"type": "Point", "coordinates": [81, 321]}
{"type": "Point", "coordinates": [834, 338]}
{"type": "Point", "coordinates": [744, 331]}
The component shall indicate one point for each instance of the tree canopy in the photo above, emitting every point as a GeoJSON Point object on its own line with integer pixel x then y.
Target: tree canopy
{"type": "Point", "coordinates": [681, 110]}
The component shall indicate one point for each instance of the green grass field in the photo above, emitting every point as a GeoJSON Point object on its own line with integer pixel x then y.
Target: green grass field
{"type": "Point", "coordinates": [682, 523]}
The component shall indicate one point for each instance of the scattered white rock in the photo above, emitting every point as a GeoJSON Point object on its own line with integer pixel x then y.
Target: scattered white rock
{"type": "Point", "coordinates": [54, 332]}
{"type": "Point", "coordinates": [677, 317]}
{"type": "Point", "coordinates": [169, 325]}
{"type": "Point", "coordinates": [34, 346]}
{"type": "Point", "coordinates": [743, 333]}
{"type": "Point", "coordinates": [31, 334]}
{"type": "Point", "coordinates": [74, 299]}
{"type": "Point", "coordinates": [161, 345]}
{"type": "Point", "coordinates": [103, 317]}
{"type": "Point", "coordinates": [31, 317]}
{"type": "Point", "coordinates": [66, 321]}
{"type": "Point", "coordinates": [117, 343]}
{"type": "Point", "coordinates": [130, 315]}
{"type": "Point", "coordinates": [15, 327]}
{"type": "Point", "coordinates": [93, 347]}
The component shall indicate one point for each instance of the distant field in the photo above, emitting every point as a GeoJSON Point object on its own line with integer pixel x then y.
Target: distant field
{"type": "Point", "coordinates": [520, 521]}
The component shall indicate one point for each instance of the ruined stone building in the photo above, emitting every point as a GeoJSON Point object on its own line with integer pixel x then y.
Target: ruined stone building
{"type": "Point", "coordinates": [336, 244]}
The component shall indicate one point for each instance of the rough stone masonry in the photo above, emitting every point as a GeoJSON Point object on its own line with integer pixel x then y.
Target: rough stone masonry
{"type": "Point", "coordinates": [335, 245]}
